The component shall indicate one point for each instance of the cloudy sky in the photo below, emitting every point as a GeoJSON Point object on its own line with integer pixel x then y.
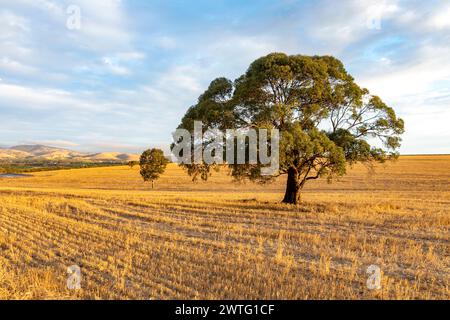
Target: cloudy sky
{"type": "Point", "coordinates": [122, 76]}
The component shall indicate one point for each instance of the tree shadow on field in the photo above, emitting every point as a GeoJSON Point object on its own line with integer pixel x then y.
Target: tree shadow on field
{"type": "Point", "coordinates": [306, 207]}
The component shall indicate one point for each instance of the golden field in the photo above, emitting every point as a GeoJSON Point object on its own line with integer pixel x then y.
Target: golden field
{"type": "Point", "coordinates": [220, 240]}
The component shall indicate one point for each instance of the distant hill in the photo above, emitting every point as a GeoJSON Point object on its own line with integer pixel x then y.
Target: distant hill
{"type": "Point", "coordinates": [114, 156]}
{"type": "Point", "coordinates": [46, 153]}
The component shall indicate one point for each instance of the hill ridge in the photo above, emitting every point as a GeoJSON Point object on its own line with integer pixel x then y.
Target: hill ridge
{"type": "Point", "coordinates": [39, 152]}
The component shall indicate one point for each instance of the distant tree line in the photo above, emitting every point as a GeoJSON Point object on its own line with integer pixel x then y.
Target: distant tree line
{"type": "Point", "coordinates": [27, 167]}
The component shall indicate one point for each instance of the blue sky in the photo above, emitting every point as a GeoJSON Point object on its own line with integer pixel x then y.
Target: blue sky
{"type": "Point", "coordinates": [123, 80]}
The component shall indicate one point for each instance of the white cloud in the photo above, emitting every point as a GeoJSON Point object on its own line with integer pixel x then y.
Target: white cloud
{"type": "Point", "coordinates": [43, 99]}
{"type": "Point", "coordinates": [103, 26]}
{"type": "Point", "coordinates": [42, 42]}
{"type": "Point", "coordinates": [441, 18]}
{"type": "Point", "coordinates": [53, 143]}
{"type": "Point", "coordinates": [416, 77]}
{"type": "Point", "coordinates": [15, 67]}
{"type": "Point", "coordinates": [338, 26]}
{"type": "Point", "coordinates": [178, 81]}
{"type": "Point", "coordinates": [131, 55]}
{"type": "Point", "coordinates": [102, 22]}
{"type": "Point", "coordinates": [12, 25]}
{"type": "Point", "coordinates": [166, 42]}
{"type": "Point", "coordinates": [114, 67]}
{"type": "Point", "coordinates": [116, 63]}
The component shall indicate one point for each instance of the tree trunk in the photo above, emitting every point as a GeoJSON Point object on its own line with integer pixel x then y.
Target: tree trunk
{"type": "Point", "coordinates": [292, 194]}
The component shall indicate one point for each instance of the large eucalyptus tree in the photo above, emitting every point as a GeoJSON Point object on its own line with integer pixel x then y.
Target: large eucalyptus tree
{"type": "Point", "coordinates": [325, 119]}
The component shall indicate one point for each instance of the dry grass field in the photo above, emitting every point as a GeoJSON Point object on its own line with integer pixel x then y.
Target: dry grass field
{"type": "Point", "coordinates": [219, 240]}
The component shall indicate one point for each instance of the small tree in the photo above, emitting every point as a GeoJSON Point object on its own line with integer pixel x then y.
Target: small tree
{"type": "Point", "coordinates": [153, 164]}
{"type": "Point", "coordinates": [133, 163]}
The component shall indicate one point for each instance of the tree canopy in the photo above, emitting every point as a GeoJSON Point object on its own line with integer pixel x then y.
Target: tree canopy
{"type": "Point", "coordinates": [325, 119]}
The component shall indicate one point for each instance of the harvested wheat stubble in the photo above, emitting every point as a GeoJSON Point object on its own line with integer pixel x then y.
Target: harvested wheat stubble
{"type": "Point", "coordinates": [219, 240]}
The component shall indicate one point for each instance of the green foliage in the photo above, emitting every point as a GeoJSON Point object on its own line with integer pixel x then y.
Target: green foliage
{"type": "Point", "coordinates": [153, 163]}
{"type": "Point", "coordinates": [311, 153]}
{"type": "Point", "coordinates": [38, 166]}
{"type": "Point", "coordinates": [325, 119]}
{"type": "Point", "coordinates": [213, 107]}
{"type": "Point", "coordinates": [133, 163]}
